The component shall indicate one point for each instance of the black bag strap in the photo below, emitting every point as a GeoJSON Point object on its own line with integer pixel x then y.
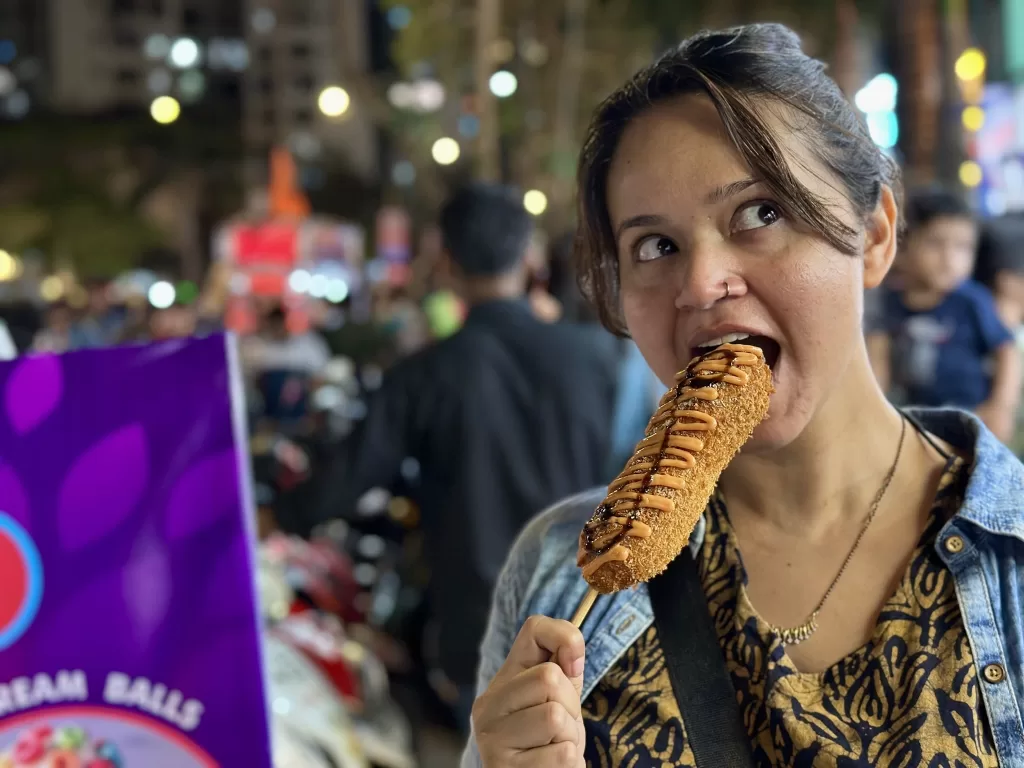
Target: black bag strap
{"type": "Point", "coordinates": [700, 681]}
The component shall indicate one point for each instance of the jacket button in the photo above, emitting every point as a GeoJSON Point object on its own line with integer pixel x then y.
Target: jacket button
{"type": "Point", "coordinates": [954, 544]}
{"type": "Point", "coordinates": [994, 673]}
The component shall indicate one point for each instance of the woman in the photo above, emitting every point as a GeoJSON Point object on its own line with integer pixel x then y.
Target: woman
{"type": "Point", "coordinates": [730, 188]}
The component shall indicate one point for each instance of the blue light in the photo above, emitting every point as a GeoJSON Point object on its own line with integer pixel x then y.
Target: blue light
{"type": "Point", "coordinates": [8, 50]}
{"type": "Point", "coordinates": [399, 17]}
{"type": "Point", "coordinates": [884, 129]}
{"type": "Point", "coordinates": [879, 95]}
{"type": "Point", "coordinates": [469, 126]}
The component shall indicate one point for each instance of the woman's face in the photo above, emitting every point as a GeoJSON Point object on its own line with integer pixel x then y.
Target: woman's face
{"type": "Point", "coordinates": [688, 219]}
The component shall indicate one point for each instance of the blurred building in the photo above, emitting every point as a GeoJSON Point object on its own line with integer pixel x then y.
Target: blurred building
{"type": "Point", "coordinates": [298, 48]}
{"type": "Point", "coordinates": [108, 54]}
{"type": "Point", "coordinates": [257, 64]}
{"type": "Point", "coordinates": [23, 52]}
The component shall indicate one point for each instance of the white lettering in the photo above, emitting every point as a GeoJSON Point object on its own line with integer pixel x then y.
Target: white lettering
{"type": "Point", "coordinates": [72, 686]}
{"type": "Point", "coordinates": [6, 702]}
{"type": "Point", "coordinates": [156, 699]}
{"type": "Point", "coordinates": [138, 695]}
{"type": "Point", "coordinates": [21, 688]}
{"type": "Point", "coordinates": [28, 692]}
{"type": "Point", "coordinates": [115, 688]}
{"type": "Point", "coordinates": [43, 690]}
{"type": "Point", "coordinates": [191, 714]}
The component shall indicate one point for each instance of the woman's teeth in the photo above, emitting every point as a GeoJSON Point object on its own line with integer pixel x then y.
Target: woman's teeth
{"type": "Point", "coordinates": [729, 338]}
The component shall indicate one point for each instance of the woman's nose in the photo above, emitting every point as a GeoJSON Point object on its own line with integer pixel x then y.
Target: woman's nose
{"type": "Point", "coordinates": [704, 279]}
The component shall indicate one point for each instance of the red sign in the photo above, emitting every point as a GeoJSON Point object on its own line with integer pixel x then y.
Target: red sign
{"type": "Point", "coordinates": [268, 244]}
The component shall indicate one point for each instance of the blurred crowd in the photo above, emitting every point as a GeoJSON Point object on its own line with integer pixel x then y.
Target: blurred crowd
{"type": "Point", "coordinates": [484, 389]}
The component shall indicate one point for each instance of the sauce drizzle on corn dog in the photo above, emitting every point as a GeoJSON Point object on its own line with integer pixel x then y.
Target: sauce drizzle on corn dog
{"type": "Point", "coordinates": [669, 444]}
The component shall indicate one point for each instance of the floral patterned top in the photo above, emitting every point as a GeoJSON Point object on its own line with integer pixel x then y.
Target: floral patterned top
{"type": "Point", "coordinates": [910, 697]}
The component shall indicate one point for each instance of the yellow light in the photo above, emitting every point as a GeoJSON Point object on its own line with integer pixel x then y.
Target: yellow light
{"type": "Point", "coordinates": [52, 288]}
{"type": "Point", "coordinates": [8, 266]}
{"type": "Point", "coordinates": [334, 101]}
{"type": "Point", "coordinates": [970, 173]}
{"type": "Point", "coordinates": [445, 151]}
{"type": "Point", "coordinates": [970, 65]}
{"type": "Point", "coordinates": [535, 201]}
{"type": "Point", "coordinates": [973, 118]}
{"type": "Point", "coordinates": [165, 109]}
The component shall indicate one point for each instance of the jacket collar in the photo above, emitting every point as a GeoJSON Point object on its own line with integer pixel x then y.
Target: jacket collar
{"type": "Point", "coordinates": [993, 497]}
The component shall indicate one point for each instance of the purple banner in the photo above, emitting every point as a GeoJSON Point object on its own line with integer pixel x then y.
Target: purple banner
{"type": "Point", "coordinates": [129, 633]}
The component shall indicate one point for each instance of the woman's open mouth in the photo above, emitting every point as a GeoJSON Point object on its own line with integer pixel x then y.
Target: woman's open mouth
{"type": "Point", "coordinates": [769, 346]}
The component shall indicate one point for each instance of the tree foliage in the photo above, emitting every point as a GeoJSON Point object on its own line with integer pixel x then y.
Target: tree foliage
{"type": "Point", "coordinates": [75, 189]}
{"type": "Point", "coordinates": [618, 37]}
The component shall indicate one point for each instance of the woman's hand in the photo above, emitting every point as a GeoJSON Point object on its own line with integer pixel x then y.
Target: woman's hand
{"type": "Point", "coordinates": [530, 714]}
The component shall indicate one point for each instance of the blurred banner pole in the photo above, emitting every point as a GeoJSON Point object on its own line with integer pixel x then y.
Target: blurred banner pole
{"type": "Point", "coordinates": [847, 70]}
{"type": "Point", "coordinates": [1013, 45]}
{"type": "Point", "coordinates": [920, 75]}
{"type": "Point", "coordinates": [488, 28]}
{"type": "Point", "coordinates": [569, 76]}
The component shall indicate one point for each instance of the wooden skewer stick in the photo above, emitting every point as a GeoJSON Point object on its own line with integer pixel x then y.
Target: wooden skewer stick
{"type": "Point", "coordinates": [584, 608]}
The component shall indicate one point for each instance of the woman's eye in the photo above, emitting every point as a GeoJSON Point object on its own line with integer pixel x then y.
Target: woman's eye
{"type": "Point", "coordinates": [654, 248]}
{"type": "Point", "coordinates": [756, 216]}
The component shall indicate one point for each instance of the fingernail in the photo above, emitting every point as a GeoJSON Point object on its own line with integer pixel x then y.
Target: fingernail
{"type": "Point", "coordinates": [577, 667]}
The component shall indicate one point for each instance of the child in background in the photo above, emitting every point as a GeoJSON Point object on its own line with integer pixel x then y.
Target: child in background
{"type": "Point", "coordinates": [939, 340]}
{"type": "Point", "coordinates": [1000, 268]}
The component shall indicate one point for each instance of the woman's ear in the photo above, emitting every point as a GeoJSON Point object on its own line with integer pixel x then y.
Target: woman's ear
{"type": "Point", "coordinates": [881, 234]}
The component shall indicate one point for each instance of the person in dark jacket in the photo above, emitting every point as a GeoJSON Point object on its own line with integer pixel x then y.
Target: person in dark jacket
{"type": "Point", "coordinates": [504, 417]}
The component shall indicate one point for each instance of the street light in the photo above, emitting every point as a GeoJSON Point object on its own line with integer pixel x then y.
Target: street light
{"type": "Point", "coordinates": [334, 101]}
{"type": "Point", "coordinates": [973, 118]}
{"type": "Point", "coordinates": [162, 294]}
{"type": "Point", "coordinates": [970, 65]}
{"type": "Point", "coordinates": [971, 174]}
{"type": "Point", "coordinates": [445, 151]}
{"type": "Point", "coordinates": [535, 202]}
{"type": "Point", "coordinates": [184, 53]}
{"type": "Point", "coordinates": [503, 83]}
{"type": "Point", "coordinates": [165, 109]}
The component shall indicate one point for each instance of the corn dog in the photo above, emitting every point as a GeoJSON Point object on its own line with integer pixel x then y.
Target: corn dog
{"type": "Point", "coordinates": [653, 505]}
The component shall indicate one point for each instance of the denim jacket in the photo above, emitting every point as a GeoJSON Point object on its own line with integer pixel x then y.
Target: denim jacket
{"type": "Point", "coordinates": [982, 545]}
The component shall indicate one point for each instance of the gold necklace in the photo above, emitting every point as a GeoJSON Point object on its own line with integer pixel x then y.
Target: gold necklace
{"type": "Point", "coordinates": [796, 635]}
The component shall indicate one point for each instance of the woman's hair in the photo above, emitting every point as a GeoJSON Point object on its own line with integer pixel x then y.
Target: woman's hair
{"type": "Point", "coordinates": [742, 70]}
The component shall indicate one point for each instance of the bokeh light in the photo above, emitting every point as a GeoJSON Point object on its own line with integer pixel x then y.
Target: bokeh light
{"type": "Point", "coordinates": [971, 64]}
{"type": "Point", "coordinates": [403, 174]}
{"type": "Point", "coordinates": [535, 201]}
{"type": "Point", "coordinates": [503, 83]}
{"type": "Point", "coordinates": [8, 82]}
{"type": "Point", "coordinates": [334, 101]}
{"type": "Point", "coordinates": [971, 174]}
{"type": "Point", "coordinates": [162, 294]}
{"type": "Point", "coordinates": [184, 53]}
{"type": "Point", "coordinates": [9, 266]}
{"type": "Point", "coordinates": [157, 46]}
{"type": "Point", "coordinates": [300, 281]}
{"type": "Point", "coordinates": [187, 291]}
{"type": "Point", "coordinates": [445, 151]}
{"type": "Point", "coordinates": [165, 109]}
{"type": "Point", "coordinates": [51, 288]}
{"type": "Point", "coordinates": [973, 118]}
{"type": "Point", "coordinates": [399, 17]}
{"type": "Point", "coordinates": [337, 291]}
